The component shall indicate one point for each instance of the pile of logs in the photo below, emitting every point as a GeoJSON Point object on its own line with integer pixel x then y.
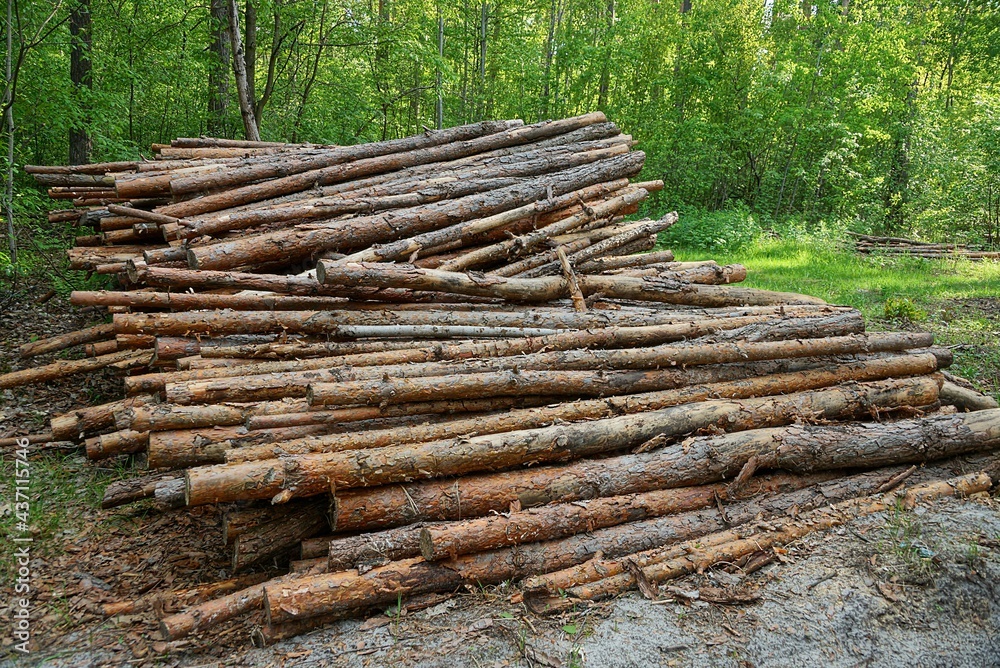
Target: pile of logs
{"type": "Point", "coordinates": [866, 244]}
{"type": "Point", "coordinates": [412, 365]}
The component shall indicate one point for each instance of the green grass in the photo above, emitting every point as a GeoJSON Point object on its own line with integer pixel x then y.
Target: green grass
{"type": "Point", "coordinates": [891, 292]}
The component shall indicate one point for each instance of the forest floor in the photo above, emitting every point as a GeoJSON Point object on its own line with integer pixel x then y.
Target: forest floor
{"type": "Point", "coordinates": [911, 588]}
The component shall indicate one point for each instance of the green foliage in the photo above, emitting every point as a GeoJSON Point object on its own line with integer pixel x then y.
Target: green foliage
{"type": "Point", "coordinates": [901, 308]}
{"type": "Point", "coordinates": [724, 230]}
{"type": "Point", "coordinates": [884, 114]}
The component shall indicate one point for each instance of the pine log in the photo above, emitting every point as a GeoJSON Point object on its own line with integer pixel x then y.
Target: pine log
{"type": "Point", "coordinates": [478, 495]}
{"type": "Point", "coordinates": [521, 379]}
{"type": "Point", "coordinates": [121, 492]}
{"type": "Point", "coordinates": [308, 475]}
{"type": "Point", "coordinates": [697, 559]}
{"type": "Point", "coordinates": [377, 548]}
{"type": "Point", "coordinates": [116, 443]}
{"type": "Point", "coordinates": [549, 288]}
{"type": "Point", "coordinates": [275, 168]}
{"type": "Point", "coordinates": [802, 449]}
{"type": "Point", "coordinates": [324, 594]}
{"type": "Point", "coordinates": [76, 424]}
{"type": "Point", "coordinates": [443, 149]}
{"type": "Point", "coordinates": [122, 360]}
{"type": "Point", "coordinates": [182, 301]}
{"type": "Point", "coordinates": [406, 363]}
{"type": "Point", "coordinates": [211, 613]}
{"type": "Point", "coordinates": [352, 234]}
{"type": "Point", "coordinates": [63, 341]}
{"type": "Point", "coordinates": [964, 398]}
{"type": "Point", "coordinates": [236, 521]}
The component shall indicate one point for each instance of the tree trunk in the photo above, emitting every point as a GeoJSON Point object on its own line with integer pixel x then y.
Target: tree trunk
{"type": "Point", "coordinates": [240, 72]}
{"type": "Point", "coordinates": [64, 341]}
{"type": "Point", "coordinates": [218, 77]}
{"type": "Point", "coordinates": [278, 537]}
{"type": "Point", "coordinates": [80, 68]}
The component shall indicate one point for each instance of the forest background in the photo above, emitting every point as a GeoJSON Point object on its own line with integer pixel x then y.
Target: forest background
{"type": "Point", "coordinates": [763, 117]}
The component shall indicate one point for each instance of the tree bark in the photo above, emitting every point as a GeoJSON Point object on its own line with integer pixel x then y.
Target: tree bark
{"type": "Point", "coordinates": [278, 537]}
{"type": "Point", "coordinates": [240, 72]}
{"type": "Point", "coordinates": [545, 289]}
{"type": "Point", "coordinates": [80, 69]}
{"type": "Point", "coordinates": [308, 475]}
{"type": "Point", "coordinates": [767, 385]}
{"type": "Point", "coordinates": [64, 341]}
{"type": "Point", "coordinates": [218, 79]}
{"type": "Point", "coordinates": [122, 360]}
{"type": "Point", "coordinates": [353, 234]}
{"type": "Point", "coordinates": [730, 546]}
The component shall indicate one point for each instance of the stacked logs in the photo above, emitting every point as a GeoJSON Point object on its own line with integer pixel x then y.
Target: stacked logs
{"type": "Point", "coordinates": [867, 244]}
{"type": "Point", "coordinates": [408, 366]}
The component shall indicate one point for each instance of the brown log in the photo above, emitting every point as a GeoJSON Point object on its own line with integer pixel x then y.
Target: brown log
{"type": "Point", "coordinates": [443, 148]}
{"type": "Point", "coordinates": [63, 341]}
{"type": "Point", "coordinates": [197, 447]}
{"type": "Point", "coordinates": [469, 230]}
{"type": "Point", "coordinates": [283, 167]}
{"type": "Point", "coordinates": [532, 240]}
{"type": "Point", "coordinates": [965, 399]}
{"type": "Point", "coordinates": [278, 537]}
{"type": "Point", "coordinates": [478, 495]}
{"type": "Point", "coordinates": [614, 243]}
{"type": "Point", "coordinates": [698, 559]}
{"type": "Point", "coordinates": [521, 379]}
{"type": "Point", "coordinates": [100, 348]}
{"type": "Point", "coordinates": [407, 362]}
{"type": "Point", "coordinates": [531, 261]}
{"type": "Point", "coordinates": [236, 521]}
{"type": "Point", "coordinates": [550, 288]}
{"type": "Point", "coordinates": [446, 184]}
{"type": "Point", "coordinates": [116, 443]}
{"type": "Point", "coordinates": [121, 492]}
{"type": "Point", "coordinates": [122, 360]}
{"type": "Point", "coordinates": [378, 548]}
{"type": "Point", "coordinates": [211, 613]}
{"type": "Point", "coordinates": [368, 385]}
{"type": "Point", "coordinates": [181, 301]}
{"type": "Point", "coordinates": [351, 234]}
{"type": "Point", "coordinates": [308, 475]}
{"type": "Point", "coordinates": [814, 378]}
{"type": "Point", "coordinates": [797, 448]}
{"type": "Point", "coordinates": [323, 594]}
{"type": "Point", "coordinates": [76, 424]}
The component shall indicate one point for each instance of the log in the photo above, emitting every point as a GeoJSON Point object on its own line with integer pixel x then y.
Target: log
{"type": "Point", "coordinates": [965, 399]}
{"type": "Point", "coordinates": [121, 492]}
{"type": "Point", "coordinates": [76, 424]}
{"type": "Point", "coordinates": [122, 360]}
{"type": "Point", "coordinates": [531, 261]}
{"type": "Point", "coordinates": [697, 559]}
{"type": "Point", "coordinates": [116, 443]}
{"type": "Point", "coordinates": [596, 250]}
{"type": "Point", "coordinates": [181, 301]}
{"type": "Point", "coordinates": [799, 449]}
{"type": "Point", "coordinates": [63, 341]}
{"type": "Point", "coordinates": [382, 507]}
{"type": "Point", "coordinates": [544, 289]}
{"type": "Point", "coordinates": [351, 234]}
{"type": "Point", "coordinates": [308, 475]}
{"type": "Point", "coordinates": [278, 537]}
{"type": "Point", "coordinates": [443, 149]}
{"type": "Point", "coordinates": [271, 168]}
{"type": "Point", "coordinates": [211, 613]}
{"type": "Point", "coordinates": [328, 593]}
{"type": "Point", "coordinates": [259, 376]}
{"type": "Point", "coordinates": [518, 378]}
{"type": "Point", "coordinates": [375, 549]}
{"type": "Point", "coordinates": [235, 521]}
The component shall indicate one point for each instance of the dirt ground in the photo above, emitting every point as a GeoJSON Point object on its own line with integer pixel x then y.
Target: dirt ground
{"type": "Point", "coordinates": [915, 588]}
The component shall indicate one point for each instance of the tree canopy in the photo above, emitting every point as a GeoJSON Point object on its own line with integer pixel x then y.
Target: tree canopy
{"type": "Point", "coordinates": [884, 114]}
